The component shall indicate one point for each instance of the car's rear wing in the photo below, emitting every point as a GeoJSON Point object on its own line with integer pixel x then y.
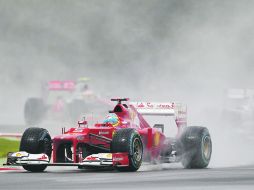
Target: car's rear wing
{"type": "Point", "coordinates": [178, 110]}
{"type": "Point", "coordinates": [56, 85]}
{"type": "Point", "coordinates": [152, 108]}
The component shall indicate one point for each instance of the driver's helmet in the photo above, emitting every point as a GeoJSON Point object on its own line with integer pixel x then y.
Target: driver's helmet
{"type": "Point", "coordinates": [113, 119]}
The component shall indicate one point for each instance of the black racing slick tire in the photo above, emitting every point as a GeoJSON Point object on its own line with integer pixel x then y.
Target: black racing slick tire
{"type": "Point", "coordinates": [128, 140]}
{"type": "Point", "coordinates": [36, 141]}
{"type": "Point", "coordinates": [34, 111]}
{"type": "Point", "coordinates": [197, 147]}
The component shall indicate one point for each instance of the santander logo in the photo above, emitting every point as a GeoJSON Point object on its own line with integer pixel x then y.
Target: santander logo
{"type": "Point", "coordinates": [141, 105]}
{"type": "Point", "coordinates": [43, 157]}
{"type": "Point", "coordinates": [91, 158]}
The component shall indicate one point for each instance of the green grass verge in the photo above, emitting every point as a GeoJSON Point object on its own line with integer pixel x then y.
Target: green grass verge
{"type": "Point", "coordinates": [8, 145]}
{"type": "Point", "coordinates": [2, 161]}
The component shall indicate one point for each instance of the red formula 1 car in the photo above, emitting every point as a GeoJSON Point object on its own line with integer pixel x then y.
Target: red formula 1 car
{"type": "Point", "coordinates": [123, 140]}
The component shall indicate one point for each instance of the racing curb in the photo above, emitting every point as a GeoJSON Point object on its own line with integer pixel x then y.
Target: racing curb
{"type": "Point", "coordinates": [4, 169]}
{"type": "Point", "coordinates": [11, 135]}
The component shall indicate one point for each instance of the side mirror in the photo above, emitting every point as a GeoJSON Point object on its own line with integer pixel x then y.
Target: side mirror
{"type": "Point", "coordinates": [82, 123]}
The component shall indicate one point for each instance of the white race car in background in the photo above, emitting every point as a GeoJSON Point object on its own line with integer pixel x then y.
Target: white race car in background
{"type": "Point", "coordinates": [238, 110]}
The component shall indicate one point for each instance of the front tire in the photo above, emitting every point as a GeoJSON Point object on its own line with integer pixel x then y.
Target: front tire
{"type": "Point", "coordinates": [36, 141]}
{"type": "Point", "coordinates": [128, 140]}
{"type": "Point", "coordinates": [197, 147]}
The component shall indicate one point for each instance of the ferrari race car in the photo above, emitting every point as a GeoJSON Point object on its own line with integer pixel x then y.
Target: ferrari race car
{"type": "Point", "coordinates": [61, 100]}
{"type": "Point", "coordinates": [122, 141]}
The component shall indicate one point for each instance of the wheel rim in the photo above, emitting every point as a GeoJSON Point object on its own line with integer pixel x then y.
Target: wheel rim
{"type": "Point", "coordinates": [207, 147]}
{"type": "Point", "coordinates": [137, 152]}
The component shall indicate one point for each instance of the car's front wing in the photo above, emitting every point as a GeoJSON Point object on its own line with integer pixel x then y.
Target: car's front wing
{"type": "Point", "coordinates": [101, 159]}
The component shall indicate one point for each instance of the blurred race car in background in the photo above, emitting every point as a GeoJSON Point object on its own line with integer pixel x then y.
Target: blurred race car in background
{"type": "Point", "coordinates": [123, 141]}
{"type": "Point", "coordinates": [62, 100]}
{"type": "Point", "coordinates": [238, 109]}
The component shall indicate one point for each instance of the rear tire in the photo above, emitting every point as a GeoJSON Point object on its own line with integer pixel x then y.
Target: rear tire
{"type": "Point", "coordinates": [128, 140]}
{"type": "Point", "coordinates": [36, 141]}
{"type": "Point", "coordinates": [197, 147]}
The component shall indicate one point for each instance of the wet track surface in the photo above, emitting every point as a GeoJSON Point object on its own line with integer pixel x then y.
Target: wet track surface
{"type": "Point", "coordinates": [148, 177]}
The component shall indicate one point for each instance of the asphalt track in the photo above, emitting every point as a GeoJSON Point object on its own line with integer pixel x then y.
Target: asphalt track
{"type": "Point", "coordinates": [148, 177]}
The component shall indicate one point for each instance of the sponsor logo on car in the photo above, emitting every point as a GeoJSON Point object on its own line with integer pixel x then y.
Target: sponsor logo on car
{"type": "Point", "coordinates": [91, 158]}
{"type": "Point", "coordinates": [43, 157]}
{"type": "Point", "coordinates": [80, 138]}
{"type": "Point", "coordinates": [103, 132]}
{"type": "Point", "coordinates": [115, 159]}
{"type": "Point", "coordinates": [18, 154]}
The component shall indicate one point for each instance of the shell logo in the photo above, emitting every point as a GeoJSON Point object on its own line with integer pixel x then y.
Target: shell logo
{"type": "Point", "coordinates": [109, 156]}
{"type": "Point", "coordinates": [156, 138]}
{"type": "Point", "coordinates": [113, 133]}
{"type": "Point", "coordinates": [18, 154]}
